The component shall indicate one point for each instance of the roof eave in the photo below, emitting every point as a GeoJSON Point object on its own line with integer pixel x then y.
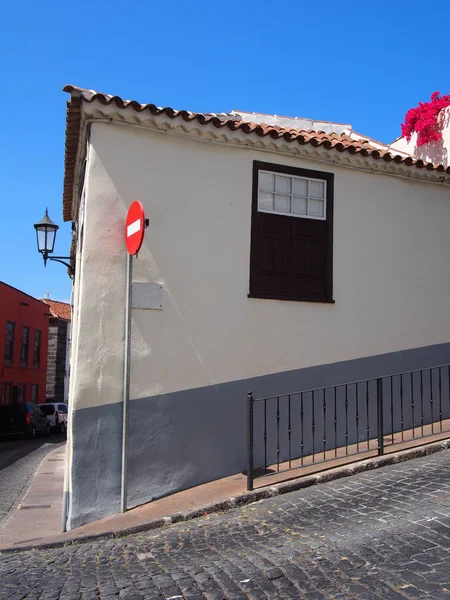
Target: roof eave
{"type": "Point", "coordinates": [71, 160]}
{"type": "Point", "coordinates": [86, 105]}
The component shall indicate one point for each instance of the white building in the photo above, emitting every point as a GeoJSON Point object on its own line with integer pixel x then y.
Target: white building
{"type": "Point", "coordinates": [349, 280]}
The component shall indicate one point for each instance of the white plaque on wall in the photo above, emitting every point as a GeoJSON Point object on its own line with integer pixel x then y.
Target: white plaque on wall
{"type": "Point", "coordinates": [147, 296]}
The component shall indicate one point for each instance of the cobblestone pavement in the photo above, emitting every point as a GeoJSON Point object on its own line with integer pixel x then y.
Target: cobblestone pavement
{"type": "Point", "coordinates": [382, 534]}
{"type": "Point", "coordinates": [19, 459]}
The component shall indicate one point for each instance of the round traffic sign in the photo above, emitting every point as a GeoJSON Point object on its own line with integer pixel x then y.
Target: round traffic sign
{"type": "Point", "coordinates": [135, 227]}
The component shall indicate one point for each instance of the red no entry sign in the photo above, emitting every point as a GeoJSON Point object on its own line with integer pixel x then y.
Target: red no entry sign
{"type": "Point", "coordinates": [135, 227]}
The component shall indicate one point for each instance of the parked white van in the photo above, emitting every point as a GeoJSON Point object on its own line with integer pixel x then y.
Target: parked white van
{"type": "Point", "coordinates": [56, 415]}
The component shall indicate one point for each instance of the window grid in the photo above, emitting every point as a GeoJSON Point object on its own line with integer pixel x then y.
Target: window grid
{"type": "Point", "coordinates": [293, 191]}
{"type": "Point", "coordinates": [9, 343]}
{"type": "Point", "coordinates": [6, 393]}
{"type": "Point", "coordinates": [24, 346]}
{"type": "Point", "coordinates": [37, 349]}
{"type": "Point", "coordinates": [34, 392]}
{"type": "Point", "coordinates": [22, 392]}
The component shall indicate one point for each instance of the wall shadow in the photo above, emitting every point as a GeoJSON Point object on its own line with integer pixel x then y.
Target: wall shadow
{"type": "Point", "coordinates": [13, 448]}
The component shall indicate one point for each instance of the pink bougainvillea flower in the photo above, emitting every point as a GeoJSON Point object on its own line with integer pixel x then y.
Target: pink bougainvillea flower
{"type": "Point", "coordinates": [423, 119]}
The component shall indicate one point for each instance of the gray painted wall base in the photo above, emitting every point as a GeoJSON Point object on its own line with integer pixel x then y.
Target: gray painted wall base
{"type": "Point", "coordinates": [187, 438]}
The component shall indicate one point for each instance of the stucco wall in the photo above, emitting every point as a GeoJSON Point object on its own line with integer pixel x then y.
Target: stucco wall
{"type": "Point", "coordinates": [391, 268]}
{"type": "Point", "coordinates": [391, 287]}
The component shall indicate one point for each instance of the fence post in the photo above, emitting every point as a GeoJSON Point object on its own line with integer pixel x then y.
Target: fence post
{"type": "Point", "coordinates": [249, 441]}
{"type": "Point", "coordinates": [380, 416]}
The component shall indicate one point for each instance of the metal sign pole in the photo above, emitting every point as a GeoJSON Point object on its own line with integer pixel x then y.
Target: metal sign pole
{"type": "Point", "coordinates": [126, 382]}
{"type": "Point", "coordinates": [135, 225]}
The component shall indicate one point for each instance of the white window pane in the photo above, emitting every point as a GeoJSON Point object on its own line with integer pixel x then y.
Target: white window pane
{"type": "Point", "coordinates": [316, 208]}
{"type": "Point", "coordinates": [301, 187]}
{"type": "Point", "coordinates": [299, 206]}
{"type": "Point", "coordinates": [283, 203]}
{"type": "Point", "coordinates": [316, 189]}
{"type": "Point", "coordinates": [266, 181]}
{"type": "Point", "coordinates": [265, 201]}
{"type": "Point", "coordinates": [283, 184]}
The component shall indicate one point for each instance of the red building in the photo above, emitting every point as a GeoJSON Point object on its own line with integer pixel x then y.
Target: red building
{"type": "Point", "coordinates": [23, 346]}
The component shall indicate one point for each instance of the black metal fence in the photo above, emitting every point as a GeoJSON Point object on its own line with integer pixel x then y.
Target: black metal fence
{"type": "Point", "coordinates": [305, 428]}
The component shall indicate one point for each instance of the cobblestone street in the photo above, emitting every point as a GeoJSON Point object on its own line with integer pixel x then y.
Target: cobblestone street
{"type": "Point", "coordinates": [19, 459]}
{"type": "Point", "coordinates": [381, 534]}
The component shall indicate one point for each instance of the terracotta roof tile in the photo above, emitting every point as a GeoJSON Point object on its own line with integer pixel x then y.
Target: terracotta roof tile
{"type": "Point", "coordinates": [339, 142]}
{"type": "Point", "coordinates": [60, 310]}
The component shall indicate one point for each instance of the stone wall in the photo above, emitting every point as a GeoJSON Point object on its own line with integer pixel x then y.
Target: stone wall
{"type": "Point", "coordinates": [56, 368]}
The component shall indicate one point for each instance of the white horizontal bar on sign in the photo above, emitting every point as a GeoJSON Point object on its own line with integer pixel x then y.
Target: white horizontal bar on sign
{"type": "Point", "coordinates": [147, 296]}
{"type": "Point", "coordinates": [133, 227]}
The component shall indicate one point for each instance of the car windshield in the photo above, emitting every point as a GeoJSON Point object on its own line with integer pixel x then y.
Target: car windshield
{"type": "Point", "coordinates": [48, 409]}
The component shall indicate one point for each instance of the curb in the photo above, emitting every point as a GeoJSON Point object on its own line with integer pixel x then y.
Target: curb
{"type": "Point", "coordinates": [248, 497]}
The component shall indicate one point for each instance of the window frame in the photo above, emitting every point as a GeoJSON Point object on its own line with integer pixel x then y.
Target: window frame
{"type": "Point", "coordinates": [37, 349]}
{"type": "Point", "coordinates": [35, 392]}
{"type": "Point", "coordinates": [23, 392]}
{"type": "Point", "coordinates": [6, 393]}
{"type": "Point", "coordinates": [328, 220]}
{"type": "Point", "coordinates": [292, 195]}
{"type": "Point", "coordinates": [24, 361]}
{"type": "Point", "coordinates": [8, 361]}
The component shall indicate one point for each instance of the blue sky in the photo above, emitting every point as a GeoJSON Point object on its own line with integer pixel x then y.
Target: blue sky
{"type": "Point", "coordinates": [352, 62]}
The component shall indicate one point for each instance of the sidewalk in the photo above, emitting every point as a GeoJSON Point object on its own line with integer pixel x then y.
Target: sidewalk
{"type": "Point", "coordinates": [37, 521]}
{"type": "Point", "coordinates": [38, 518]}
{"type": "Point", "coordinates": [39, 514]}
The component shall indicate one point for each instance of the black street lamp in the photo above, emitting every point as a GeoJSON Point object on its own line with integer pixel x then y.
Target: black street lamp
{"type": "Point", "coordinates": [46, 234]}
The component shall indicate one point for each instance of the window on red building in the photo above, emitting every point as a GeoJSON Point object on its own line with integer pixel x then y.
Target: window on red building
{"type": "Point", "coordinates": [25, 346]}
{"type": "Point", "coordinates": [9, 344]}
{"type": "Point", "coordinates": [37, 349]}
{"type": "Point", "coordinates": [6, 393]}
{"type": "Point", "coordinates": [34, 392]}
{"type": "Point", "coordinates": [22, 392]}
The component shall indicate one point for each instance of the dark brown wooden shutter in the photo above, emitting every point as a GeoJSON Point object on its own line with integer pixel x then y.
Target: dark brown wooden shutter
{"type": "Point", "coordinates": [291, 258]}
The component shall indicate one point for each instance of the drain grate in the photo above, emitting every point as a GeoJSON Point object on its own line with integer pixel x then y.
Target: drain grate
{"type": "Point", "coordinates": [35, 506]}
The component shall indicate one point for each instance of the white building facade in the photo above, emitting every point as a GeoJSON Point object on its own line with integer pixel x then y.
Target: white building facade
{"type": "Point", "coordinates": [288, 259]}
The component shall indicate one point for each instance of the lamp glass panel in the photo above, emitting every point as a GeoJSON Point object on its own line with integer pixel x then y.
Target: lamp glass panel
{"type": "Point", "coordinates": [40, 234]}
{"type": "Point", "coordinates": [50, 242]}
